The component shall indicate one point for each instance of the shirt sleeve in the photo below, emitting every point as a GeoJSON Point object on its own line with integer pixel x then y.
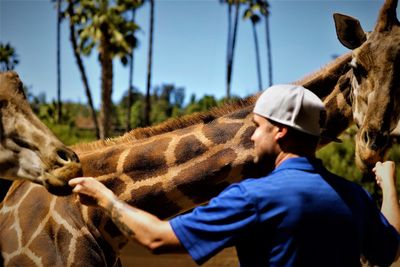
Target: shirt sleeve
{"type": "Point", "coordinates": [381, 238]}
{"type": "Point", "coordinates": [208, 229]}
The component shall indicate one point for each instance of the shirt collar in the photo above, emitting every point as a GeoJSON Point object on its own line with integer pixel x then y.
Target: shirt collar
{"type": "Point", "coordinates": [301, 163]}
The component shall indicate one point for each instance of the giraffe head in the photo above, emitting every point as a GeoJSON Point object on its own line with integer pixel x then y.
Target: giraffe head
{"type": "Point", "coordinates": [28, 149]}
{"type": "Point", "coordinates": [375, 81]}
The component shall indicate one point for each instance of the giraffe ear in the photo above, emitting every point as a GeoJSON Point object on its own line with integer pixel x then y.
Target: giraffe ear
{"type": "Point", "coordinates": [349, 31]}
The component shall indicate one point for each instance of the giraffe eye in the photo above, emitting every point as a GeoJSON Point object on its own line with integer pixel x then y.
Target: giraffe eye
{"type": "Point", "coordinates": [22, 143]}
{"type": "Point", "coordinates": [358, 70]}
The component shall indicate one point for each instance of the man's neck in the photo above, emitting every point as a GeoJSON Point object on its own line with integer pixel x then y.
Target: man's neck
{"type": "Point", "coordinates": [282, 156]}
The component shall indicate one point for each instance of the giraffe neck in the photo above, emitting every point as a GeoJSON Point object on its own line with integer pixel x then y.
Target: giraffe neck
{"type": "Point", "coordinates": [183, 168]}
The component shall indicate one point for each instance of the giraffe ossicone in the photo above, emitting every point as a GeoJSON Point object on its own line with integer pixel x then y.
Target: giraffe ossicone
{"type": "Point", "coordinates": [28, 149]}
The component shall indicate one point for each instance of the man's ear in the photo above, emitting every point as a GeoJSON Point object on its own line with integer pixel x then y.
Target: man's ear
{"type": "Point", "coordinates": [282, 132]}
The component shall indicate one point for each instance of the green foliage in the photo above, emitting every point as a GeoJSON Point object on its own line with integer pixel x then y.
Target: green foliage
{"type": "Point", "coordinates": [69, 135]}
{"type": "Point", "coordinates": [8, 57]}
{"type": "Point", "coordinates": [339, 158]}
{"type": "Point", "coordinates": [67, 131]}
{"type": "Point", "coordinates": [204, 104]}
{"type": "Point", "coordinates": [99, 19]}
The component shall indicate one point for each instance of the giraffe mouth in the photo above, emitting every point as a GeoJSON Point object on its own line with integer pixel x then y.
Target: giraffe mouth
{"type": "Point", "coordinates": [56, 181]}
{"type": "Point", "coordinates": [55, 185]}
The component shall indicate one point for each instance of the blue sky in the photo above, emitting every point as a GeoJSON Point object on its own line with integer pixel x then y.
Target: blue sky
{"type": "Point", "coordinates": [189, 46]}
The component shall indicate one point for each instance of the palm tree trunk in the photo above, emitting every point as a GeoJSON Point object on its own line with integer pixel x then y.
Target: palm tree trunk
{"type": "Point", "coordinates": [228, 51]}
{"type": "Point", "coordinates": [232, 50]}
{"type": "Point", "coordinates": [268, 42]}
{"type": "Point", "coordinates": [257, 55]}
{"type": "Point", "coordinates": [59, 107]}
{"type": "Point", "coordinates": [149, 61]}
{"type": "Point", "coordinates": [106, 84]}
{"type": "Point", "coordinates": [128, 112]}
{"type": "Point", "coordinates": [81, 67]}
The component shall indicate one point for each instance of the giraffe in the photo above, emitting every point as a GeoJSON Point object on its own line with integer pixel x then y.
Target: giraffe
{"type": "Point", "coordinates": [165, 170]}
{"type": "Point", "coordinates": [374, 82]}
{"type": "Point", "coordinates": [28, 149]}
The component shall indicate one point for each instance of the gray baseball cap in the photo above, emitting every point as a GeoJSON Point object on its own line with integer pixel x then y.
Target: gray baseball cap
{"type": "Point", "coordinates": [294, 106]}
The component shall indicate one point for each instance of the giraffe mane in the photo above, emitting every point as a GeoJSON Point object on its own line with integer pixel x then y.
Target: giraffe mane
{"type": "Point", "coordinates": [325, 69]}
{"type": "Point", "coordinates": [169, 125]}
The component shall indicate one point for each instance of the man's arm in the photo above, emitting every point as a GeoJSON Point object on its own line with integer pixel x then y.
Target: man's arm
{"type": "Point", "coordinates": [147, 229]}
{"type": "Point", "coordinates": [386, 179]}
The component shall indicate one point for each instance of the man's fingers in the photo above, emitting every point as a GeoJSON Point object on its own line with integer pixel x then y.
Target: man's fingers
{"type": "Point", "coordinates": [75, 181]}
{"type": "Point", "coordinates": [79, 180]}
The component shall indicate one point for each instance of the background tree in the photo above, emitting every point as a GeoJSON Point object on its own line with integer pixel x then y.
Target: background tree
{"type": "Point", "coordinates": [59, 20]}
{"type": "Point", "coordinates": [74, 42]}
{"type": "Point", "coordinates": [8, 57]}
{"type": "Point", "coordinates": [264, 9]}
{"type": "Point", "coordinates": [130, 86]}
{"type": "Point", "coordinates": [250, 13]}
{"type": "Point", "coordinates": [102, 23]}
{"type": "Point", "coordinates": [149, 63]}
{"type": "Point", "coordinates": [231, 40]}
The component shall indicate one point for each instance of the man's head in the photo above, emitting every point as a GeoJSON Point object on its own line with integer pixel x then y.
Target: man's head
{"type": "Point", "coordinates": [288, 119]}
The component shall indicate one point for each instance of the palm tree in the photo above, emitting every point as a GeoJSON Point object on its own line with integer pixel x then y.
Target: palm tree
{"type": "Point", "coordinates": [8, 57]}
{"type": "Point", "coordinates": [149, 63]}
{"type": "Point", "coordinates": [79, 62]}
{"type": "Point", "coordinates": [104, 25]}
{"type": "Point", "coordinates": [250, 13]}
{"type": "Point", "coordinates": [130, 88]}
{"type": "Point", "coordinates": [231, 40]}
{"type": "Point", "coordinates": [59, 20]}
{"type": "Point", "coordinates": [264, 9]}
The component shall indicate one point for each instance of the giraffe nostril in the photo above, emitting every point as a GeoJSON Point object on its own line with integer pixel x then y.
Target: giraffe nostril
{"type": "Point", "coordinates": [63, 154]}
{"type": "Point", "coordinates": [365, 137]}
{"type": "Point", "coordinates": [67, 155]}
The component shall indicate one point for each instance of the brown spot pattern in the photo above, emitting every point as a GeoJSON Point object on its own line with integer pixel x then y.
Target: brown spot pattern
{"type": "Point", "coordinates": [35, 208]}
{"type": "Point", "coordinates": [241, 114]}
{"type": "Point", "coordinates": [68, 209]}
{"type": "Point", "coordinates": [11, 236]}
{"type": "Point", "coordinates": [63, 238]}
{"type": "Point", "coordinates": [208, 178]}
{"type": "Point", "coordinates": [95, 215]}
{"type": "Point", "coordinates": [154, 200]}
{"type": "Point", "coordinates": [245, 139]}
{"type": "Point", "coordinates": [102, 163]}
{"type": "Point", "coordinates": [17, 190]}
{"type": "Point", "coordinates": [147, 160]}
{"type": "Point", "coordinates": [220, 133]}
{"type": "Point", "coordinates": [112, 229]}
{"type": "Point", "coordinates": [91, 254]}
{"type": "Point", "coordinates": [188, 148]}
{"type": "Point", "coordinates": [116, 185]}
{"type": "Point", "coordinates": [21, 260]}
{"type": "Point", "coordinates": [46, 245]}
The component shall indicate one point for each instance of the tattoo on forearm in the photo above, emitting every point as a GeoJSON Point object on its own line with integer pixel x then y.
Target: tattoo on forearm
{"type": "Point", "coordinates": [116, 216]}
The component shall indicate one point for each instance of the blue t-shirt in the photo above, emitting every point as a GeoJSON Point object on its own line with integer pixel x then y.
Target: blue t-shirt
{"type": "Point", "coordinates": [298, 215]}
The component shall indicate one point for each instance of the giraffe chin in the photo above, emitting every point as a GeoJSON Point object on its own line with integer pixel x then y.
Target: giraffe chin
{"type": "Point", "coordinates": [56, 182]}
{"type": "Point", "coordinates": [366, 159]}
{"type": "Point", "coordinates": [61, 191]}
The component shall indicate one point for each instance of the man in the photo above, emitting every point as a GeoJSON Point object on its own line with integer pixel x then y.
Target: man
{"type": "Point", "coordinates": [298, 215]}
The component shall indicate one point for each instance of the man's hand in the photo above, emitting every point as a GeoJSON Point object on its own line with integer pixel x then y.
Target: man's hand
{"type": "Point", "coordinates": [134, 223]}
{"type": "Point", "coordinates": [92, 192]}
{"type": "Point", "coordinates": [385, 175]}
